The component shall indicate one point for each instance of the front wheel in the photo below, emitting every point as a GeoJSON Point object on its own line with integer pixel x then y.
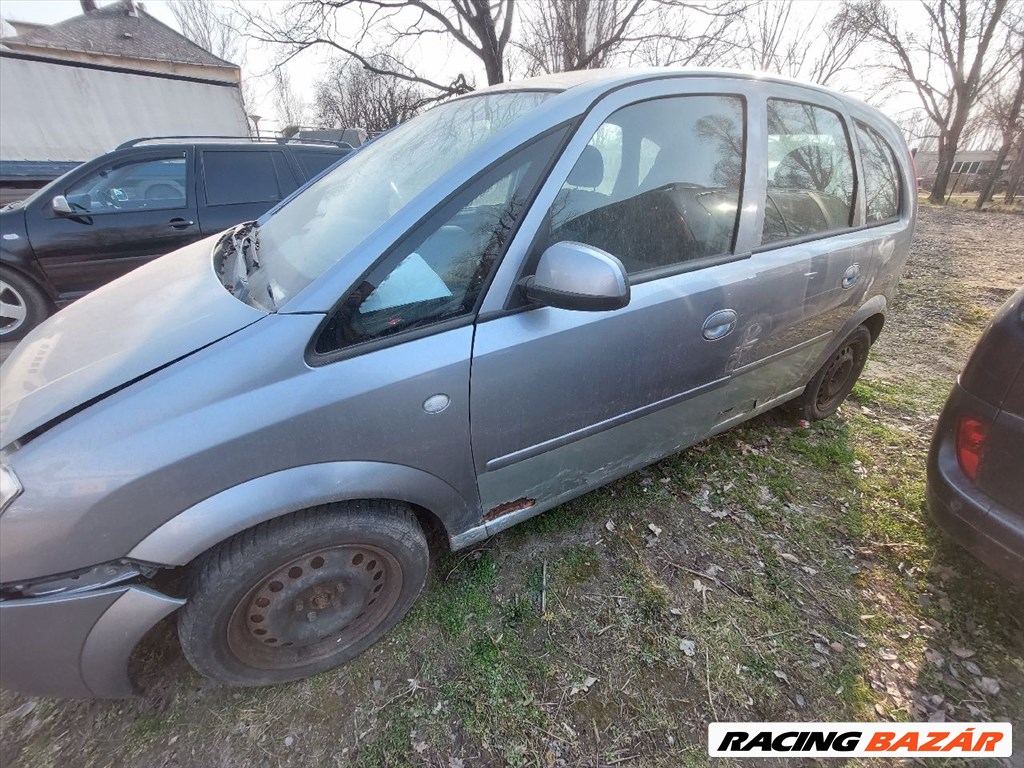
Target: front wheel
{"type": "Point", "coordinates": [23, 306]}
{"type": "Point", "coordinates": [302, 594]}
{"type": "Point", "coordinates": [834, 381]}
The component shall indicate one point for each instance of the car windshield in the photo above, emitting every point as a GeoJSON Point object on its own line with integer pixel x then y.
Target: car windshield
{"type": "Point", "coordinates": [327, 220]}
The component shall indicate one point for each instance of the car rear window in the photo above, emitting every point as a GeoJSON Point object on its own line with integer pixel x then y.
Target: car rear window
{"type": "Point", "coordinates": [240, 176]}
{"type": "Point", "coordinates": [314, 162]}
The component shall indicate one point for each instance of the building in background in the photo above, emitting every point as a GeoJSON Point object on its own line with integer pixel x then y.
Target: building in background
{"type": "Point", "coordinates": [970, 169]}
{"type": "Point", "coordinates": [73, 90]}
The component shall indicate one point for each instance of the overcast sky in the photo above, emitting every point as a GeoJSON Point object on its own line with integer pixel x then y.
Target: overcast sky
{"type": "Point", "coordinates": [436, 59]}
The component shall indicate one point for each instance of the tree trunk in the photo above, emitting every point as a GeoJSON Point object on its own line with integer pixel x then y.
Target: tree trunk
{"type": "Point", "coordinates": [947, 153]}
{"type": "Point", "coordinates": [1016, 173]}
{"type": "Point", "coordinates": [990, 182]}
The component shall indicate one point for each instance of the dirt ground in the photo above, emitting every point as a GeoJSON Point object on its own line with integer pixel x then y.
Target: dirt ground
{"type": "Point", "coordinates": [777, 572]}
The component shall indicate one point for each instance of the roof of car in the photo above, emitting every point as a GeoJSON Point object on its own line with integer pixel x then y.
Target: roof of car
{"type": "Point", "coordinates": [612, 77]}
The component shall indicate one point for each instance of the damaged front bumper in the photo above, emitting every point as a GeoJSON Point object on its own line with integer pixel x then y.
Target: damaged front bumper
{"type": "Point", "coordinates": [77, 644]}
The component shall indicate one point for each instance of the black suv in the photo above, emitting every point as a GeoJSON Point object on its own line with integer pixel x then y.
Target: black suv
{"type": "Point", "coordinates": [146, 198]}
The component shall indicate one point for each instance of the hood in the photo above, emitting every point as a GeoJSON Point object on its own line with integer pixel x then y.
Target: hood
{"type": "Point", "coordinates": [152, 316]}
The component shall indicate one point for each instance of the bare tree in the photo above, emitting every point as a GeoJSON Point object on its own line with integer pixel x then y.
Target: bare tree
{"type": "Point", "coordinates": [1004, 108]}
{"type": "Point", "coordinates": [948, 66]}
{"type": "Point", "coordinates": [353, 97]}
{"type": "Point", "coordinates": [356, 28]}
{"type": "Point", "coordinates": [210, 27]}
{"type": "Point", "coordinates": [566, 35]}
{"type": "Point", "coordinates": [774, 39]}
{"type": "Point", "coordinates": [288, 105]}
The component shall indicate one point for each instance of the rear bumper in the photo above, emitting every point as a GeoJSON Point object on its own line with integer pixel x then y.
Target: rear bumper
{"type": "Point", "coordinates": [77, 644]}
{"type": "Point", "coordinates": [991, 532]}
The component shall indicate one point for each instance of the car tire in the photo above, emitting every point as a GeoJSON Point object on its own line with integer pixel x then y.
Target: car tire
{"type": "Point", "coordinates": [834, 381]}
{"type": "Point", "coordinates": [301, 594]}
{"type": "Point", "coordinates": [23, 305]}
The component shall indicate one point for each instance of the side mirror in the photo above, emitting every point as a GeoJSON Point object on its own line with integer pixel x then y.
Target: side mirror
{"type": "Point", "coordinates": [576, 276]}
{"type": "Point", "coordinates": [61, 206]}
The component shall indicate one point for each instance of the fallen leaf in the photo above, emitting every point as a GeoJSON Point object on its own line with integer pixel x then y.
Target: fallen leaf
{"type": "Point", "coordinates": [973, 668]}
{"type": "Point", "coordinates": [654, 529]}
{"type": "Point", "coordinates": [989, 685]}
{"type": "Point", "coordinates": [934, 657]}
{"type": "Point", "coordinates": [610, 526]}
{"type": "Point", "coordinates": [837, 647]}
{"type": "Point", "coordinates": [789, 558]}
{"type": "Point", "coordinates": [961, 653]}
{"type": "Point", "coordinates": [289, 740]}
{"type": "Point", "coordinates": [23, 710]}
{"type": "Point", "coordinates": [584, 686]}
{"type": "Point", "coordinates": [781, 675]}
{"type": "Point", "coordinates": [689, 647]}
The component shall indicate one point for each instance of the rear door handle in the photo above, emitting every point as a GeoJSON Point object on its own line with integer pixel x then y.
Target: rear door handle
{"type": "Point", "coordinates": [719, 324]}
{"type": "Point", "coordinates": [851, 276]}
{"type": "Point", "coordinates": [181, 223]}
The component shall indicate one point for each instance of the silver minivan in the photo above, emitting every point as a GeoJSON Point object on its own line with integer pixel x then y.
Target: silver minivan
{"type": "Point", "coordinates": [510, 300]}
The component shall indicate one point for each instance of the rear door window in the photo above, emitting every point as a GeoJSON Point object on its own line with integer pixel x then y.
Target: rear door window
{"type": "Point", "coordinates": [658, 184]}
{"type": "Point", "coordinates": [242, 176]}
{"type": "Point", "coordinates": [881, 176]}
{"type": "Point", "coordinates": [811, 183]}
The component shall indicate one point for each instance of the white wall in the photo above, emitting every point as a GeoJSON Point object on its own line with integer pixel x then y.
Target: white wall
{"type": "Point", "coordinates": [54, 112]}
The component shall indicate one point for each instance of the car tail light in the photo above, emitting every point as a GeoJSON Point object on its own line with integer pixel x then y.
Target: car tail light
{"type": "Point", "coordinates": [971, 434]}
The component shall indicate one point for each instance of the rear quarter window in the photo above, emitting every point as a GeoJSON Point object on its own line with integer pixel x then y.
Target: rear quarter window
{"type": "Point", "coordinates": [881, 176]}
{"type": "Point", "coordinates": [314, 162]}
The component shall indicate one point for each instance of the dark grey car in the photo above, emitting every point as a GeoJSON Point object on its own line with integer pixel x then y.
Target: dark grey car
{"type": "Point", "coordinates": [512, 299]}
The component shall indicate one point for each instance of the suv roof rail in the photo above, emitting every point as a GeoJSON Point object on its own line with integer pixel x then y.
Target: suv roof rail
{"type": "Point", "coordinates": [254, 139]}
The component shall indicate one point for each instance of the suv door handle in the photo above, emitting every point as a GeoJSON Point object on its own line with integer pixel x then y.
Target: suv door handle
{"type": "Point", "coordinates": [851, 276]}
{"type": "Point", "coordinates": [719, 324]}
{"type": "Point", "coordinates": [180, 223]}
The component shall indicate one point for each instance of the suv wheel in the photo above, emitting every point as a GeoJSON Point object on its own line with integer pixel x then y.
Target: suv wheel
{"type": "Point", "coordinates": [22, 306]}
{"type": "Point", "coordinates": [302, 594]}
{"type": "Point", "coordinates": [834, 381]}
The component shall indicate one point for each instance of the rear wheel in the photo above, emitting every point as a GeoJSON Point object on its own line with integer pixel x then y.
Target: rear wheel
{"type": "Point", "coordinates": [834, 381]}
{"type": "Point", "coordinates": [22, 306]}
{"type": "Point", "coordinates": [300, 595]}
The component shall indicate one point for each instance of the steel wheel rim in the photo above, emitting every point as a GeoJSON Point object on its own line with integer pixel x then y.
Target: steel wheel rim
{"type": "Point", "coordinates": [837, 376]}
{"type": "Point", "coordinates": [315, 606]}
{"type": "Point", "coordinates": [13, 309]}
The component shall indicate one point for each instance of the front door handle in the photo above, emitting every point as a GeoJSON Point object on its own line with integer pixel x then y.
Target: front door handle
{"type": "Point", "coordinates": [851, 276]}
{"type": "Point", "coordinates": [719, 324]}
{"type": "Point", "coordinates": [181, 223]}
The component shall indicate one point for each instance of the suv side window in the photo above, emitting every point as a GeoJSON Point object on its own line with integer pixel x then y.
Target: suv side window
{"type": "Point", "coordinates": [810, 171]}
{"type": "Point", "coordinates": [144, 184]}
{"type": "Point", "coordinates": [881, 176]}
{"type": "Point", "coordinates": [676, 185]}
{"type": "Point", "coordinates": [240, 176]}
{"type": "Point", "coordinates": [439, 271]}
